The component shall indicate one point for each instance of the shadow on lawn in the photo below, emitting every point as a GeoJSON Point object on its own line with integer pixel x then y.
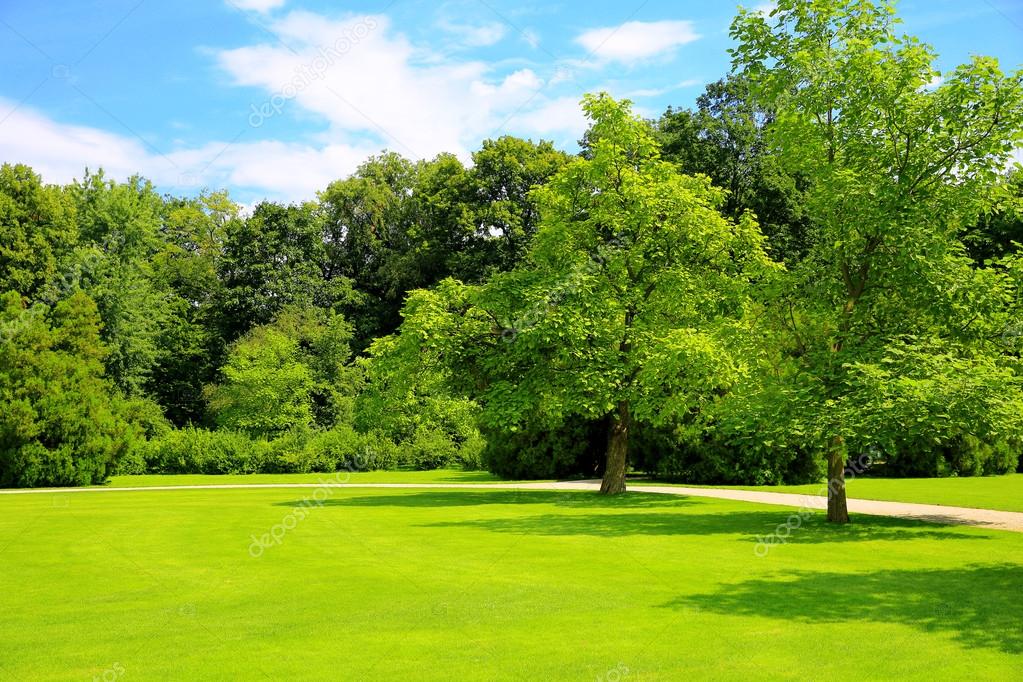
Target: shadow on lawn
{"type": "Point", "coordinates": [978, 604]}
{"type": "Point", "coordinates": [752, 525]}
{"type": "Point", "coordinates": [660, 515]}
{"type": "Point", "coordinates": [475, 497]}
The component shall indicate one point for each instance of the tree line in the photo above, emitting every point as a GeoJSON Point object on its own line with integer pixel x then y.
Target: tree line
{"type": "Point", "coordinates": [818, 260]}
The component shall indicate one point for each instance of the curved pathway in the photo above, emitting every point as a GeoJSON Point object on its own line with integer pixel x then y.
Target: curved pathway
{"type": "Point", "coordinates": [986, 518]}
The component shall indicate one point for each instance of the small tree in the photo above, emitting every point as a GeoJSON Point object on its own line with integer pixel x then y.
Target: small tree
{"type": "Point", "coordinates": [622, 309]}
{"type": "Point", "coordinates": [898, 160]}
{"type": "Point", "coordinates": [266, 388]}
{"type": "Point", "coordinates": [61, 421]}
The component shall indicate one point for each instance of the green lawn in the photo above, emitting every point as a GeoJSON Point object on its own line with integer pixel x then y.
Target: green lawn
{"type": "Point", "coordinates": [492, 585]}
{"type": "Point", "coordinates": [989, 492]}
{"type": "Point", "coordinates": [433, 476]}
{"type": "Point", "coordinates": [982, 492]}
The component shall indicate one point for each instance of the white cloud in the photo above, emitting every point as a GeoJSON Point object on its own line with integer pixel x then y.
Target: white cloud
{"type": "Point", "coordinates": [471, 35]}
{"type": "Point", "coordinates": [656, 92]}
{"type": "Point", "coordinates": [637, 40]}
{"type": "Point", "coordinates": [61, 152]}
{"type": "Point", "coordinates": [372, 87]}
{"type": "Point", "coordinates": [367, 79]}
{"type": "Point", "coordinates": [261, 6]}
{"type": "Point", "coordinates": [559, 116]}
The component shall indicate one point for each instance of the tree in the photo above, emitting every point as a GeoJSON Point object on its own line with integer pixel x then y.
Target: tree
{"type": "Point", "coordinates": [266, 387]}
{"type": "Point", "coordinates": [505, 171]}
{"type": "Point", "coordinates": [191, 348]}
{"type": "Point", "coordinates": [999, 232]}
{"type": "Point", "coordinates": [723, 138]}
{"type": "Point", "coordinates": [366, 234]}
{"type": "Point", "coordinates": [623, 307]}
{"type": "Point", "coordinates": [37, 232]}
{"type": "Point", "coordinates": [60, 421]}
{"type": "Point", "coordinates": [275, 258]}
{"type": "Point", "coordinates": [119, 236]}
{"type": "Point", "coordinates": [896, 166]}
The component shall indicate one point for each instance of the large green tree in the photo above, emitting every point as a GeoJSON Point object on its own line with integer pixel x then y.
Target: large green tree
{"type": "Point", "coordinates": [60, 419]}
{"type": "Point", "coordinates": [37, 232]}
{"type": "Point", "coordinates": [723, 137]}
{"type": "Point", "coordinates": [275, 258]}
{"type": "Point", "coordinates": [897, 162]}
{"type": "Point", "coordinates": [191, 347]}
{"type": "Point", "coordinates": [623, 308]}
{"type": "Point", "coordinates": [120, 235]}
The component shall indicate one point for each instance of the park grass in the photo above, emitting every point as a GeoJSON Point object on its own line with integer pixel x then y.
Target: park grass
{"type": "Point", "coordinates": [431, 476]}
{"type": "Point", "coordinates": [983, 492]}
{"type": "Point", "coordinates": [492, 585]}
{"type": "Point", "coordinates": [1004, 493]}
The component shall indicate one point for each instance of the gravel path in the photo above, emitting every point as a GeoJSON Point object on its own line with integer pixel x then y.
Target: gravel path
{"type": "Point", "coordinates": [986, 518]}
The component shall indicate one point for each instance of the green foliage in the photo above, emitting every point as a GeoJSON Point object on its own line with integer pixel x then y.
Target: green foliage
{"type": "Point", "coordinates": [275, 258]}
{"type": "Point", "coordinates": [886, 316]}
{"type": "Point", "coordinates": [409, 403]}
{"type": "Point", "coordinates": [119, 236]}
{"type": "Point", "coordinates": [266, 388]}
{"type": "Point", "coordinates": [724, 139]}
{"type": "Point", "coordinates": [37, 232]}
{"type": "Point", "coordinates": [535, 450]}
{"type": "Point", "coordinates": [632, 282]}
{"type": "Point", "coordinates": [191, 348]}
{"type": "Point", "coordinates": [505, 172]}
{"type": "Point", "coordinates": [60, 422]}
{"type": "Point", "coordinates": [199, 451]}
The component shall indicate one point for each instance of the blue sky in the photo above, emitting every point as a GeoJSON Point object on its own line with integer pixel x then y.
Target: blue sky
{"type": "Point", "coordinates": [276, 98]}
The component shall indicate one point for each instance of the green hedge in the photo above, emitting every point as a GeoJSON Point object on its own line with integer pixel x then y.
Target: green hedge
{"type": "Point", "coordinates": [201, 451]}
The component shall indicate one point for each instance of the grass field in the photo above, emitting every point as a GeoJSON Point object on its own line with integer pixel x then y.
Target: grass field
{"type": "Point", "coordinates": [981, 492]}
{"type": "Point", "coordinates": [432, 476]}
{"type": "Point", "coordinates": [988, 492]}
{"type": "Point", "coordinates": [495, 585]}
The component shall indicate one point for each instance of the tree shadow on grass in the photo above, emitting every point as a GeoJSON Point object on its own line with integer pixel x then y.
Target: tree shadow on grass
{"type": "Point", "coordinates": [751, 526]}
{"type": "Point", "coordinates": [978, 604]}
{"type": "Point", "coordinates": [475, 497]}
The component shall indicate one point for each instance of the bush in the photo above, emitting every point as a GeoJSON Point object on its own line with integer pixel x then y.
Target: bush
{"type": "Point", "coordinates": [711, 460]}
{"type": "Point", "coordinates": [962, 456]}
{"type": "Point", "coordinates": [572, 449]}
{"type": "Point", "coordinates": [199, 451]}
{"type": "Point", "coordinates": [60, 420]}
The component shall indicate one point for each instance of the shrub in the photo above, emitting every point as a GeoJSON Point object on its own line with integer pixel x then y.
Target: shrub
{"type": "Point", "coordinates": [60, 423]}
{"type": "Point", "coordinates": [199, 451]}
{"type": "Point", "coordinates": [574, 448]}
{"type": "Point", "coordinates": [964, 455]}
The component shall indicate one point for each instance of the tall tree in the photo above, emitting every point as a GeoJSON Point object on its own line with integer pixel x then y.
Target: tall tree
{"type": "Point", "coordinates": [274, 258]}
{"type": "Point", "coordinates": [723, 138]}
{"type": "Point", "coordinates": [896, 166]}
{"type": "Point", "coordinates": [191, 347]}
{"type": "Point", "coordinates": [621, 310]}
{"type": "Point", "coordinates": [37, 232]}
{"type": "Point", "coordinates": [505, 172]}
{"type": "Point", "coordinates": [119, 237]}
{"type": "Point", "coordinates": [60, 421]}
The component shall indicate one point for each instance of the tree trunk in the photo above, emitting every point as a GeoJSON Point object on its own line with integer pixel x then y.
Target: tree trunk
{"type": "Point", "coordinates": [838, 512]}
{"type": "Point", "coordinates": [617, 450]}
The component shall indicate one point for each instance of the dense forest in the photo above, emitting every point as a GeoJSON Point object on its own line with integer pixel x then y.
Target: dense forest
{"type": "Point", "coordinates": [817, 262]}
